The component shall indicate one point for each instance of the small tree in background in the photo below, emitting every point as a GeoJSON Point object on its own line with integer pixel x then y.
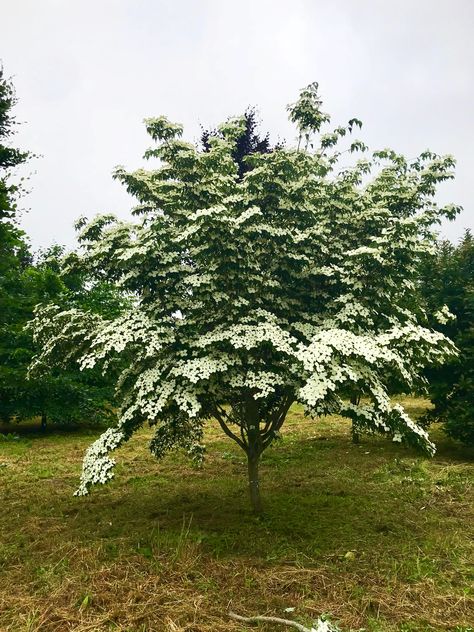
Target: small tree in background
{"type": "Point", "coordinates": [448, 282]}
{"type": "Point", "coordinates": [65, 395]}
{"type": "Point", "coordinates": [292, 281]}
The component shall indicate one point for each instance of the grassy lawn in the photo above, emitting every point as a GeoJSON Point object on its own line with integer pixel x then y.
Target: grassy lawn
{"type": "Point", "coordinates": [374, 535]}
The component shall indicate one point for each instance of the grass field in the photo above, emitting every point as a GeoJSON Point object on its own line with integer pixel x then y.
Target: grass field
{"type": "Point", "coordinates": [373, 535]}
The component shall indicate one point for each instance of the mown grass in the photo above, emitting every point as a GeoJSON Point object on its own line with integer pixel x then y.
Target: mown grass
{"type": "Point", "coordinates": [374, 535]}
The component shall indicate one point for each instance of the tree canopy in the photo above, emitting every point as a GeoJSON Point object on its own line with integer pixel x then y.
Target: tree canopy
{"type": "Point", "coordinates": [292, 281]}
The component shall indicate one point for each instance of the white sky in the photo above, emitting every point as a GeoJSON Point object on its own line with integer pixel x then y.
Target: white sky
{"type": "Point", "coordinates": [88, 71]}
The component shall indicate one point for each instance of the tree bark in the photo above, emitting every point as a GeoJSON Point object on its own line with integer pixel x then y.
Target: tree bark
{"type": "Point", "coordinates": [355, 399]}
{"type": "Point", "coordinates": [254, 450]}
{"type": "Point", "coordinates": [43, 421]}
{"type": "Point", "coordinates": [355, 435]}
{"type": "Point", "coordinates": [254, 483]}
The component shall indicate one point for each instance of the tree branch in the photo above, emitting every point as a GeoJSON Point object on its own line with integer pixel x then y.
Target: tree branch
{"type": "Point", "coordinates": [242, 434]}
{"type": "Point", "coordinates": [227, 430]}
{"type": "Point", "coordinates": [279, 413]}
{"type": "Point", "coordinates": [277, 422]}
{"type": "Point", "coordinates": [256, 619]}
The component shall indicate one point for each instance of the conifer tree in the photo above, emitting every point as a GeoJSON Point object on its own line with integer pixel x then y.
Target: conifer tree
{"type": "Point", "coordinates": [448, 289]}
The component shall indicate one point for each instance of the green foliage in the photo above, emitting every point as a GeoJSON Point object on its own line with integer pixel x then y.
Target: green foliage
{"type": "Point", "coordinates": [449, 280]}
{"type": "Point", "coordinates": [10, 157]}
{"type": "Point", "coordinates": [64, 396]}
{"type": "Point", "coordinates": [306, 113]}
{"type": "Point", "coordinates": [14, 255]}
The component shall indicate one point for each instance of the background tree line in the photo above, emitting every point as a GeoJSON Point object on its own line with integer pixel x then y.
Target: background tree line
{"type": "Point", "coordinates": [26, 279]}
{"type": "Point", "coordinates": [70, 395]}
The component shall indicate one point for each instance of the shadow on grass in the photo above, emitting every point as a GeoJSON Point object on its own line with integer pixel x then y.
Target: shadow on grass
{"type": "Point", "coordinates": [318, 502]}
{"type": "Point", "coordinates": [343, 524]}
{"type": "Point", "coordinates": [33, 429]}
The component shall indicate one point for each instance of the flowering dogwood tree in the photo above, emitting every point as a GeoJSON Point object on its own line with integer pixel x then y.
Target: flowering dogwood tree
{"type": "Point", "coordinates": [291, 282]}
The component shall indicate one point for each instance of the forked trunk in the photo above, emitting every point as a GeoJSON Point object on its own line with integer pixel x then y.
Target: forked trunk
{"type": "Point", "coordinates": [254, 439]}
{"type": "Point", "coordinates": [254, 485]}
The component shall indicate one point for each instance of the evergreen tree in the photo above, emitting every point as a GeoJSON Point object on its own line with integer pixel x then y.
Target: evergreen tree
{"type": "Point", "coordinates": [14, 254]}
{"type": "Point", "coordinates": [247, 143]}
{"type": "Point", "coordinates": [448, 282]}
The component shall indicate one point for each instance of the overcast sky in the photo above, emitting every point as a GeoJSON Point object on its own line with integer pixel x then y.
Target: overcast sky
{"type": "Point", "coordinates": [88, 71]}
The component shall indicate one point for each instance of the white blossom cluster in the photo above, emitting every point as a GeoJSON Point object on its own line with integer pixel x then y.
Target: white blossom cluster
{"type": "Point", "coordinates": [98, 466]}
{"type": "Point", "coordinates": [444, 315]}
{"type": "Point", "coordinates": [243, 336]}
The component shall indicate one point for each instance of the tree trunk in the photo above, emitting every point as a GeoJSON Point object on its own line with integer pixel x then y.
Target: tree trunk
{"type": "Point", "coordinates": [254, 485]}
{"type": "Point", "coordinates": [355, 435]}
{"type": "Point", "coordinates": [254, 451]}
{"type": "Point", "coordinates": [43, 421]}
{"type": "Point", "coordinates": [355, 400]}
